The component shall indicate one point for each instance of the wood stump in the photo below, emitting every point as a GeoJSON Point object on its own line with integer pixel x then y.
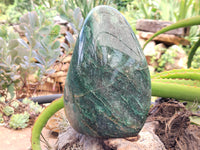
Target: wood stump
{"type": "Point", "coordinates": [147, 140]}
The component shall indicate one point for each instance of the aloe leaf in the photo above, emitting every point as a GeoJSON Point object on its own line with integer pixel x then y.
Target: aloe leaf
{"type": "Point", "coordinates": [177, 91]}
{"type": "Point", "coordinates": [188, 82]}
{"type": "Point", "coordinates": [182, 23]}
{"type": "Point", "coordinates": [192, 52]}
{"type": "Point", "coordinates": [193, 74]}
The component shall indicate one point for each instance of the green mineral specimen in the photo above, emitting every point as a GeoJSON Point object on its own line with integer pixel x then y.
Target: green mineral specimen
{"type": "Point", "coordinates": [107, 91]}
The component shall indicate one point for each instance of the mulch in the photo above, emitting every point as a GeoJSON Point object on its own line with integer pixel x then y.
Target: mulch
{"type": "Point", "coordinates": [175, 129]}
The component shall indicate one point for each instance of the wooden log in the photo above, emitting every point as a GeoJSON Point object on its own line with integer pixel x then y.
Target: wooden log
{"type": "Point", "coordinates": [67, 59]}
{"type": "Point", "coordinates": [61, 79]}
{"type": "Point", "coordinates": [65, 67]}
{"type": "Point", "coordinates": [59, 74]}
{"type": "Point", "coordinates": [149, 25]}
{"type": "Point", "coordinates": [165, 38]}
{"type": "Point", "coordinates": [51, 87]}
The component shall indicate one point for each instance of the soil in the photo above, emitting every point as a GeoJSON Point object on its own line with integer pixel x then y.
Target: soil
{"type": "Point", "coordinates": [174, 129]}
{"type": "Point", "coordinates": [11, 139]}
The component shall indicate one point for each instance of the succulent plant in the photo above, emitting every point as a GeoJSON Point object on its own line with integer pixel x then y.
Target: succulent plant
{"type": "Point", "coordinates": [35, 107]}
{"type": "Point", "coordinates": [7, 110]}
{"type": "Point", "coordinates": [18, 121]}
{"type": "Point", "coordinates": [27, 101]}
{"type": "Point", "coordinates": [2, 99]}
{"type": "Point", "coordinates": [1, 118]}
{"type": "Point", "coordinates": [15, 104]}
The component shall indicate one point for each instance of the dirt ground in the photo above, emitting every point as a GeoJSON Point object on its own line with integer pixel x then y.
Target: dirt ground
{"type": "Point", "coordinates": [11, 139]}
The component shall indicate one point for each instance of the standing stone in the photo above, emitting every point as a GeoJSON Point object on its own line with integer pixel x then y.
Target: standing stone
{"type": "Point", "coordinates": [107, 91]}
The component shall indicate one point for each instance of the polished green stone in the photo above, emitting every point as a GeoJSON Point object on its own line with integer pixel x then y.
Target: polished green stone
{"type": "Point", "coordinates": [107, 91]}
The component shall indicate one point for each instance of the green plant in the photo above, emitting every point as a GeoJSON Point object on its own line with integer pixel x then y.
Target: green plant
{"type": "Point", "coordinates": [20, 58]}
{"type": "Point", "coordinates": [7, 110]}
{"type": "Point", "coordinates": [15, 104]}
{"type": "Point", "coordinates": [1, 119]}
{"type": "Point", "coordinates": [171, 10]}
{"type": "Point", "coordinates": [27, 101]}
{"type": "Point", "coordinates": [19, 121]}
{"type": "Point", "coordinates": [48, 3]}
{"type": "Point", "coordinates": [84, 5]}
{"type": "Point", "coordinates": [15, 11]}
{"type": "Point", "coordinates": [122, 4]}
{"type": "Point", "coordinates": [34, 107]}
{"type": "Point", "coordinates": [196, 59]}
{"type": "Point", "coordinates": [2, 8]}
{"type": "Point", "coordinates": [167, 57]}
{"type": "Point", "coordinates": [183, 84]}
{"type": "Point", "coordinates": [2, 99]}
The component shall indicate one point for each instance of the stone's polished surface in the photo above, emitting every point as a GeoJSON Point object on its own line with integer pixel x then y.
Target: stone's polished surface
{"type": "Point", "coordinates": [107, 91]}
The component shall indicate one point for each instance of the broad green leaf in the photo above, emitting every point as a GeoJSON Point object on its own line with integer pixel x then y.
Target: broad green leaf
{"type": "Point", "coordinates": [12, 44]}
{"type": "Point", "coordinates": [40, 66]}
{"type": "Point", "coordinates": [24, 19]}
{"type": "Point", "coordinates": [22, 26]}
{"type": "Point", "coordinates": [55, 45]}
{"type": "Point", "coordinates": [42, 52]}
{"type": "Point", "coordinates": [70, 39]}
{"type": "Point", "coordinates": [51, 62]}
{"type": "Point", "coordinates": [23, 43]}
{"type": "Point", "coordinates": [11, 90]}
{"type": "Point", "coordinates": [78, 18]}
{"type": "Point", "coordinates": [13, 35]}
{"type": "Point", "coordinates": [33, 19]}
{"type": "Point", "coordinates": [55, 31]}
{"type": "Point", "coordinates": [44, 30]}
{"type": "Point", "coordinates": [3, 65]}
{"type": "Point", "coordinates": [13, 53]}
{"type": "Point", "coordinates": [2, 43]}
{"type": "Point", "coordinates": [15, 77]}
{"type": "Point", "coordinates": [38, 58]}
{"type": "Point", "coordinates": [50, 71]}
{"type": "Point", "coordinates": [9, 60]}
{"type": "Point", "coordinates": [65, 46]}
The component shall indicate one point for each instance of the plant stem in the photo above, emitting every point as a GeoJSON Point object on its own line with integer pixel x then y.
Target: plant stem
{"type": "Point", "coordinates": [42, 120]}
